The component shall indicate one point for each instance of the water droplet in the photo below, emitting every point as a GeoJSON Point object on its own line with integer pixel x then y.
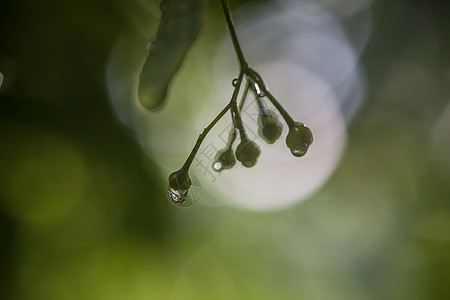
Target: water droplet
{"type": "Point", "coordinates": [217, 166]}
{"type": "Point", "coordinates": [1, 79]}
{"type": "Point", "coordinates": [256, 82]}
{"type": "Point", "coordinates": [177, 196]}
{"type": "Point", "coordinates": [299, 152]}
{"type": "Point", "coordinates": [299, 139]}
{"type": "Point", "coordinates": [183, 199]}
{"type": "Point", "coordinates": [258, 89]}
{"type": "Point", "coordinates": [224, 159]}
{"type": "Point", "coordinates": [235, 82]}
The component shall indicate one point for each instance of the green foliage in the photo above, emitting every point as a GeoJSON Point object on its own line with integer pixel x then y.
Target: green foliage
{"type": "Point", "coordinates": [178, 28]}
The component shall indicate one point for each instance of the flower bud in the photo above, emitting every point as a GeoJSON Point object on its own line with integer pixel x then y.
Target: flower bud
{"type": "Point", "coordinates": [299, 139]}
{"type": "Point", "coordinates": [179, 184]}
{"type": "Point", "coordinates": [247, 152]}
{"type": "Point", "coordinates": [224, 160]}
{"type": "Point", "coordinates": [270, 128]}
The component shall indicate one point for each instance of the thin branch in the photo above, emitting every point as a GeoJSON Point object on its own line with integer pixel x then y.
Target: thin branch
{"type": "Point", "coordinates": [237, 48]}
{"type": "Point", "coordinates": [202, 136]}
{"type": "Point", "coordinates": [287, 118]}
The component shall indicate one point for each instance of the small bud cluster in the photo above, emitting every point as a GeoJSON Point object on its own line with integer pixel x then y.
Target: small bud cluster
{"type": "Point", "coordinates": [247, 152]}
{"type": "Point", "coordinates": [298, 140]}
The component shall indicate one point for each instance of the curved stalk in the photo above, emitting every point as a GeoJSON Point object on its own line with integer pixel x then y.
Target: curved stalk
{"type": "Point", "coordinates": [232, 134]}
{"type": "Point", "coordinates": [287, 118]}
{"type": "Point", "coordinates": [237, 48]}
{"type": "Point", "coordinates": [202, 136]}
{"type": "Point", "coordinates": [235, 114]}
{"type": "Point", "coordinates": [261, 107]}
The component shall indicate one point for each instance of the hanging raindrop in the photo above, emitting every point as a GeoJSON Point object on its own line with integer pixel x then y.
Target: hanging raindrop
{"type": "Point", "coordinates": [258, 90]}
{"type": "Point", "coordinates": [177, 196]}
{"type": "Point", "coordinates": [184, 198]}
{"type": "Point", "coordinates": [179, 184]}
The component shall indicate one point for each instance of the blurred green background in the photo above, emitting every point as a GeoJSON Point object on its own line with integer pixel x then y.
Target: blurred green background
{"type": "Point", "coordinates": [83, 211]}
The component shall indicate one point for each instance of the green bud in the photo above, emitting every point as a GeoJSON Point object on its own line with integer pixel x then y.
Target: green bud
{"type": "Point", "coordinates": [270, 128]}
{"type": "Point", "coordinates": [224, 160]}
{"type": "Point", "coordinates": [299, 139]}
{"type": "Point", "coordinates": [179, 184]}
{"type": "Point", "coordinates": [247, 152]}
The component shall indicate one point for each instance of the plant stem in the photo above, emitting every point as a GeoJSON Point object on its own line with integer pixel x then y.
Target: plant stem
{"type": "Point", "coordinates": [244, 96]}
{"type": "Point", "coordinates": [232, 134]}
{"type": "Point", "coordinates": [232, 105]}
{"type": "Point", "coordinates": [262, 109]}
{"type": "Point", "coordinates": [236, 116]}
{"type": "Point", "coordinates": [202, 136]}
{"type": "Point", "coordinates": [237, 48]}
{"type": "Point", "coordinates": [287, 118]}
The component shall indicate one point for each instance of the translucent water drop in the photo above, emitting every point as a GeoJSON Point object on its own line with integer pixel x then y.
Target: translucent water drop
{"type": "Point", "coordinates": [235, 82]}
{"type": "Point", "coordinates": [299, 152]}
{"type": "Point", "coordinates": [184, 198]}
{"type": "Point", "coordinates": [177, 196]}
{"type": "Point", "coordinates": [257, 89]}
{"type": "Point", "coordinates": [1, 79]}
{"type": "Point", "coordinates": [224, 159]}
{"type": "Point", "coordinates": [217, 167]}
{"type": "Point", "coordinates": [256, 82]}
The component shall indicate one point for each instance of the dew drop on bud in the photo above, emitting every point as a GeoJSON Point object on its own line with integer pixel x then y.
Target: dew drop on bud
{"type": "Point", "coordinates": [299, 152]}
{"type": "Point", "coordinates": [258, 89]}
{"type": "Point", "coordinates": [177, 196]}
{"type": "Point", "coordinates": [256, 82]}
{"type": "Point", "coordinates": [235, 82]}
{"type": "Point", "coordinates": [184, 198]}
{"type": "Point", "coordinates": [217, 167]}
